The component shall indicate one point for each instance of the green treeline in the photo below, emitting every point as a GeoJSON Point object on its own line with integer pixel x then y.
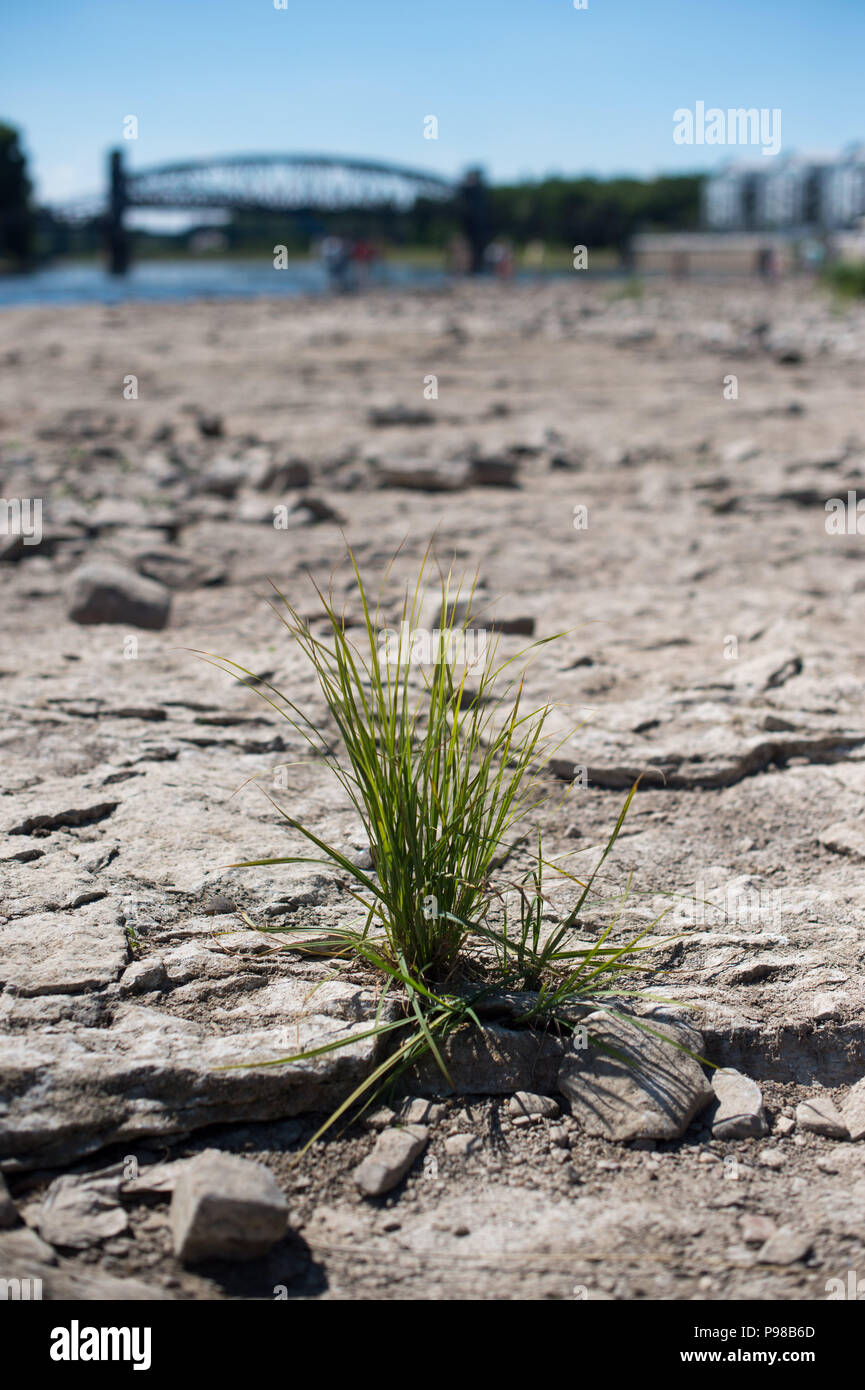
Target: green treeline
{"type": "Point", "coordinates": [594, 212]}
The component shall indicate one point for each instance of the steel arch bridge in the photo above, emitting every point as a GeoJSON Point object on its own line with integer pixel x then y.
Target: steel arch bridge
{"type": "Point", "coordinates": [282, 183]}
{"type": "Point", "coordinates": [275, 183]}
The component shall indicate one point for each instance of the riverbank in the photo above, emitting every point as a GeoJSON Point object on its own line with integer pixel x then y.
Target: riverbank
{"type": "Point", "coordinates": [648, 473]}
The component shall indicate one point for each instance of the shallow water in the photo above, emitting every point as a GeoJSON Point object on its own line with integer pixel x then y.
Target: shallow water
{"type": "Point", "coordinates": [76, 283]}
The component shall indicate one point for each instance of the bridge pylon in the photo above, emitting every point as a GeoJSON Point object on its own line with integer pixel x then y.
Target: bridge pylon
{"type": "Point", "coordinates": [117, 236]}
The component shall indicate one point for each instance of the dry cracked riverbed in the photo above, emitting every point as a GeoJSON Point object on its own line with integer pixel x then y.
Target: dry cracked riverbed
{"type": "Point", "coordinates": [582, 456]}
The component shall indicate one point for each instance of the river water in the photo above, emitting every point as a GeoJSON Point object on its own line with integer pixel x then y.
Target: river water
{"type": "Point", "coordinates": [88, 283]}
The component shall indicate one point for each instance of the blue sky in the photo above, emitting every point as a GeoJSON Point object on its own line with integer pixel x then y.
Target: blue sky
{"type": "Point", "coordinates": [524, 87]}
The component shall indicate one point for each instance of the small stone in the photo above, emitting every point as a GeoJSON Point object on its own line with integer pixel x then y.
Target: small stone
{"type": "Point", "coordinates": [784, 1126]}
{"type": "Point", "coordinates": [225, 1207]}
{"type": "Point", "coordinates": [144, 976]}
{"type": "Point", "coordinates": [77, 1212]}
{"type": "Point", "coordinates": [217, 905]}
{"type": "Point", "coordinates": [381, 416]}
{"type": "Point", "coordinates": [756, 1230]}
{"type": "Point", "coordinates": [426, 475]}
{"type": "Point", "coordinates": [853, 1113]}
{"type": "Point", "coordinates": [156, 1180]}
{"type": "Point", "coordinates": [416, 1112]}
{"type": "Point", "coordinates": [653, 1093]}
{"type": "Point", "coordinates": [560, 1138]}
{"type": "Point", "coordinates": [211, 426]}
{"type": "Point", "coordinates": [394, 1153]}
{"type": "Point", "coordinates": [108, 593]}
{"type": "Point", "coordinates": [526, 1103]}
{"type": "Point", "coordinates": [279, 476]}
{"type": "Point", "coordinates": [461, 1145]}
{"type": "Point", "coordinates": [381, 1118]}
{"type": "Point", "coordinates": [771, 1158]}
{"type": "Point", "coordinates": [740, 1113]}
{"type": "Point", "coordinates": [786, 1247]}
{"type": "Point", "coordinates": [819, 1116]}
{"type": "Point", "coordinates": [8, 1210]}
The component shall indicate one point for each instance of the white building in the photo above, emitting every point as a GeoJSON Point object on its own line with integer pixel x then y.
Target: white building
{"type": "Point", "coordinates": [792, 193]}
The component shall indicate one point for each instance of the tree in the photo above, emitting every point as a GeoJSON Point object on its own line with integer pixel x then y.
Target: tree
{"type": "Point", "coordinates": [16, 214]}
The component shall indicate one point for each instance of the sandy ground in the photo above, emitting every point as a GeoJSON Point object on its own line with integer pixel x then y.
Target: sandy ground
{"type": "Point", "coordinates": [670, 459]}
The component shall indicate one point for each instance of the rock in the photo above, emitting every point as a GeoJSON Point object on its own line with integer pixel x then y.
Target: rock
{"type": "Point", "coordinates": [740, 1113]}
{"type": "Point", "coordinates": [844, 837]}
{"type": "Point", "coordinates": [416, 1112]}
{"type": "Point", "coordinates": [786, 1247]}
{"type": "Point", "coordinates": [8, 1210]}
{"type": "Point", "coordinates": [784, 1126]}
{"type": "Point", "coordinates": [62, 952]}
{"type": "Point", "coordinates": [394, 1153]}
{"type": "Point", "coordinates": [143, 976]}
{"type": "Point", "coordinates": [426, 475]}
{"type": "Point", "coordinates": [381, 1118]}
{"type": "Point", "coordinates": [77, 1211]}
{"type": "Point", "coordinates": [225, 1207]}
{"type": "Point", "coordinates": [853, 1114]}
{"type": "Point", "coordinates": [316, 510]}
{"type": "Point", "coordinates": [149, 1072]}
{"type": "Point", "coordinates": [772, 1158]}
{"type": "Point", "coordinates": [461, 1145]}
{"type": "Point", "coordinates": [278, 476]}
{"type": "Point", "coordinates": [526, 1103]}
{"type": "Point", "coordinates": [210, 426]}
{"type": "Point", "coordinates": [156, 1180]}
{"type": "Point", "coordinates": [108, 593]}
{"type": "Point", "coordinates": [384, 415]}
{"type": "Point", "coordinates": [23, 1256]}
{"type": "Point", "coordinates": [819, 1116]}
{"type": "Point", "coordinates": [756, 1230]}
{"type": "Point", "coordinates": [655, 1095]}
{"type": "Point", "coordinates": [223, 478]}
{"type": "Point", "coordinates": [24, 1248]}
{"type": "Point", "coordinates": [495, 471]}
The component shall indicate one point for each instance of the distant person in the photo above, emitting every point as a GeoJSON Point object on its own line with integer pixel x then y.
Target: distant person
{"type": "Point", "coordinates": [363, 257]}
{"type": "Point", "coordinates": [336, 259]}
{"type": "Point", "coordinates": [499, 257]}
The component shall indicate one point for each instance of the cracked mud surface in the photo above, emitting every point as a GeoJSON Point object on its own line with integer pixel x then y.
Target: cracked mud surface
{"type": "Point", "coordinates": [714, 645]}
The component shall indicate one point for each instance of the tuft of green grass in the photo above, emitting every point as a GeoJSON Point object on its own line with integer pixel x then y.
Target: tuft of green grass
{"type": "Point", "coordinates": [444, 764]}
{"type": "Point", "coordinates": [846, 278]}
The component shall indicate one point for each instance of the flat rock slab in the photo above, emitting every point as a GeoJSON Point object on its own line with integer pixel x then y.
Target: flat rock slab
{"type": "Point", "coordinates": [652, 1090]}
{"type": "Point", "coordinates": [70, 1091]}
{"type": "Point", "coordinates": [225, 1207]}
{"type": "Point", "coordinates": [62, 953]}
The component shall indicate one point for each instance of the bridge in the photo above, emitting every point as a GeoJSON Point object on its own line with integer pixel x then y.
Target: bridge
{"type": "Point", "coordinates": [275, 183]}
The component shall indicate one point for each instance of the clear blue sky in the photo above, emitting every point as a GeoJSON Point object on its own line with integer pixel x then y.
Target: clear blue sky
{"type": "Point", "coordinates": [524, 87]}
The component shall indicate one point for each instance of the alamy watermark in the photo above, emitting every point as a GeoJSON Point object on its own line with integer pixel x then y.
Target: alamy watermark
{"type": "Point", "coordinates": [22, 516]}
{"type": "Point", "coordinates": [736, 126]}
{"type": "Point", "coordinates": [428, 646]}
